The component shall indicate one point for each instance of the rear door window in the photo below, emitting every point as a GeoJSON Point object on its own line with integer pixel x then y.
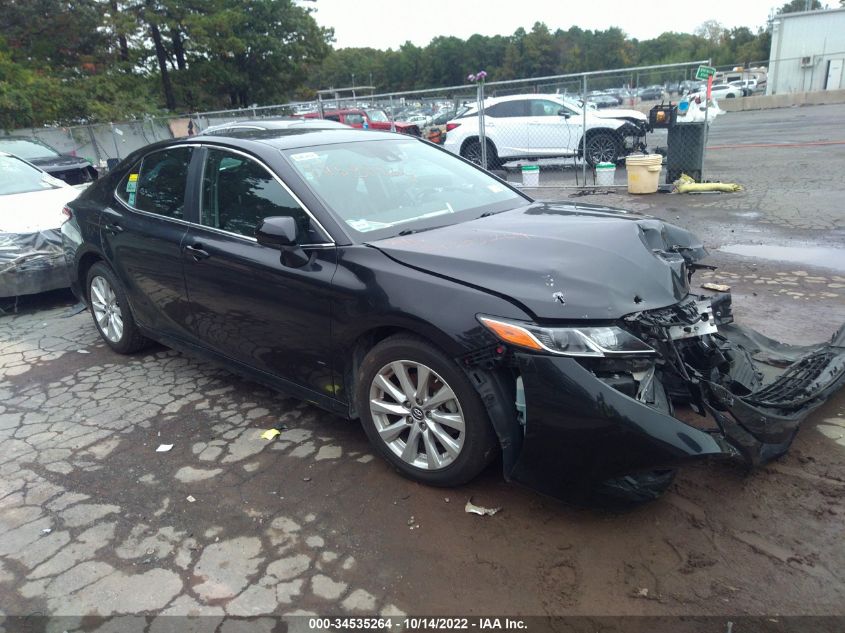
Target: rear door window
{"type": "Point", "coordinates": [157, 184]}
{"type": "Point", "coordinates": [508, 109]}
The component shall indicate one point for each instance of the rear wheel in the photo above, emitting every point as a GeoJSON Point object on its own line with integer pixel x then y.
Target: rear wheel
{"type": "Point", "coordinates": [111, 312]}
{"type": "Point", "coordinates": [602, 147]}
{"type": "Point", "coordinates": [472, 152]}
{"type": "Point", "coordinates": [422, 414]}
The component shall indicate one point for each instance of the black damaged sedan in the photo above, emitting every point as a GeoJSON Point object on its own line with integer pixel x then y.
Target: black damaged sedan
{"type": "Point", "coordinates": [386, 280]}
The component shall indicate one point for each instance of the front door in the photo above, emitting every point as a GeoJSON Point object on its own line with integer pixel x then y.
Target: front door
{"type": "Point", "coordinates": [549, 132]}
{"type": "Point", "coordinates": [142, 232]}
{"type": "Point", "coordinates": [247, 304]}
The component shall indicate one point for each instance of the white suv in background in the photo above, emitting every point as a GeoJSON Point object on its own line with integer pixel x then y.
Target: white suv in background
{"type": "Point", "coordinates": [545, 126]}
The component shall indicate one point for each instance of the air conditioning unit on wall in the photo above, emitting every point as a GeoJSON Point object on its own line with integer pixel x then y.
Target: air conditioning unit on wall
{"type": "Point", "coordinates": [807, 61]}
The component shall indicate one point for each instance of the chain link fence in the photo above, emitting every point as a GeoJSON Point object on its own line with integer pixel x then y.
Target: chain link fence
{"type": "Point", "coordinates": [570, 130]}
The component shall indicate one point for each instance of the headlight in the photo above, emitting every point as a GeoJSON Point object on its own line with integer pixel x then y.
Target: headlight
{"type": "Point", "coordinates": [567, 341]}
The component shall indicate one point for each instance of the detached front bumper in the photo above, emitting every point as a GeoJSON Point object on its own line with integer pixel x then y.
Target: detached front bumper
{"type": "Point", "coordinates": [580, 430]}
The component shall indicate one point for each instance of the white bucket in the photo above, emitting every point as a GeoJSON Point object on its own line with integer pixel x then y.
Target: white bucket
{"type": "Point", "coordinates": [605, 174]}
{"type": "Point", "coordinates": [643, 172]}
{"type": "Point", "coordinates": [530, 175]}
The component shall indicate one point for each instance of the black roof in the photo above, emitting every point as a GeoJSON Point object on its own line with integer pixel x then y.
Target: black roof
{"type": "Point", "coordinates": [294, 138]}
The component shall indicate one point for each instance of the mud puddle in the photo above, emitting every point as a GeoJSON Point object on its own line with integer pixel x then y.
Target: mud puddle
{"type": "Point", "coordinates": [824, 257]}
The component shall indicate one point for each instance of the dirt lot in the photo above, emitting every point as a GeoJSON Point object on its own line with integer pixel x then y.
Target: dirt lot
{"type": "Point", "coordinates": [94, 520]}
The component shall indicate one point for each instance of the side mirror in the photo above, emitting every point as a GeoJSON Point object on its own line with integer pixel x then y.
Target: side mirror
{"type": "Point", "coordinates": [277, 232]}
{"type": "Point", "coordinates": [280, 232]}
{"type": "Point", "coordinates": [564, 113]}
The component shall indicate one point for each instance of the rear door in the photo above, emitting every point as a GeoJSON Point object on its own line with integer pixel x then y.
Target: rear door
{"type": "Point", "coordinates": [246, 303]}
{"type": "Point", "coordinates": [506, 124]}
{"type": "Point", "coordinates": [142, 232]}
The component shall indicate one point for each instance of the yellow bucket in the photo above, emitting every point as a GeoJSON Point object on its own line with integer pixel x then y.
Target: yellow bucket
{"type": "Point", "coordinates": [643, 172]}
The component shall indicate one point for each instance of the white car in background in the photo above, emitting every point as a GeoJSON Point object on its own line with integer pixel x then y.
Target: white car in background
{"type": "Point", "coordinates": [720, 91]}
{"type": "Point", "coordinates": [544, 126]}
{"type": "Point", "coordinates": [31, 201]}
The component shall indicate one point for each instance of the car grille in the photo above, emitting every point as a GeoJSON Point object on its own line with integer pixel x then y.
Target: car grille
{"type": "Point", "coordinates": [797, 385]}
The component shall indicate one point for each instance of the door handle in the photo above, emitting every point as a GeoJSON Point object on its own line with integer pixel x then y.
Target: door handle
{"type": "Point", "coordinates": [113, 228]}
{"type": "Point", "coordinates": [197, 252]}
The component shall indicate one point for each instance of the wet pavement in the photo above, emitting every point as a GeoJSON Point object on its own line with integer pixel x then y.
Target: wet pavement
{"type": "Point", "coordinates": [94, 521]}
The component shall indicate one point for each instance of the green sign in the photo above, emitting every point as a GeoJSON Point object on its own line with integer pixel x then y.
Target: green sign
{"type": "Point", "coordinates": [704, 72]}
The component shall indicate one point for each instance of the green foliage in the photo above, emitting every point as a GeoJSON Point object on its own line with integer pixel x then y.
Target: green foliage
{"type": "Point", "coordinates": [85, 61]}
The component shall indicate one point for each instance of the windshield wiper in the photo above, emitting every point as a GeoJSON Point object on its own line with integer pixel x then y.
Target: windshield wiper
{"type": "Point", "coordinates": [487, 214]}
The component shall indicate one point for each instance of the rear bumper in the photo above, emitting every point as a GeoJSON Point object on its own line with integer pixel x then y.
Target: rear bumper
{"type": "Point", "coordinates": [31, 263]}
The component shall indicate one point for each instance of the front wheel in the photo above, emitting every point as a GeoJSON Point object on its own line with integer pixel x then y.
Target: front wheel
{"type": "Point", "coordinates": [602, 147]}
{"type": "Point", "coordinates": [422, 414]}
{"type": "Point", "coordinates": [111, 311]}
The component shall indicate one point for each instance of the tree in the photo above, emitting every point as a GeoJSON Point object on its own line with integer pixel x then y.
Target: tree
{"type": "Point", "coordinates": [796, 6]}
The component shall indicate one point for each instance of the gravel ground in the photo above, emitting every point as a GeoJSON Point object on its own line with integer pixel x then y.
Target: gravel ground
{"type": "Point", "coordinates": [94, 521]}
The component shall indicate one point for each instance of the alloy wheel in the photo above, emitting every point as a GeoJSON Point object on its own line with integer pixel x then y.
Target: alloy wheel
{"type": "Point", "coordinates": [106, 310]}
{"type": "Point", "coordinates": [602, 149]}
{"type": "Point", "coordinates": [417, 415]}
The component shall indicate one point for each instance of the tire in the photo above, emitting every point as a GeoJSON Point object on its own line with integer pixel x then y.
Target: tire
{"type": "Point", "coordinates": [602, 147]}
{"type": "Point", "coordinates": [472, 152]}
{"type": "Point", "coordinates": [442, 454]}
{"type": "Point", "coordinates": [730, 96]}
{"type": "Point", "coordinates": [111, 312]}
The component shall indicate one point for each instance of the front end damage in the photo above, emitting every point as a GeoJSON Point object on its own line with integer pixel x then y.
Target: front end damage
{"type": "Point", "coordinates": [621, 423]}
{"type": "Point", "coordinates": [756, 390]}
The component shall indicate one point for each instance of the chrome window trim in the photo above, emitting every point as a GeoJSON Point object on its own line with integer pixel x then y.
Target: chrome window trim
{"type": "Point", "coordinates": [189, 224]}
{"type": "Point", "coordinates": [150, 213]}
{"type": "Point", "coordinates": [277, 179]}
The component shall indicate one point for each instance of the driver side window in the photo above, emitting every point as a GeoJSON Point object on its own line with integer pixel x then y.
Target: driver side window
{"type": "Point", "coordinates": [238, 193]}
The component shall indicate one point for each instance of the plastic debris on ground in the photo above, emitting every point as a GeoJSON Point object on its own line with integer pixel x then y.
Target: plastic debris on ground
{"type": "Point", "coordinates": [471, 508]}
{"type": "Point", "coordinates": [163, 448]}
{"type": "Point", "coordinates": [273, 433]}
{"type": "Point", "coordinates": [190, 499]}
{"type": "Point", "coordinates": [687, 184]}
{"type": "Point", "coordinates": [269, 434]}
{"type": "Point", "coordinates": [716, 287]}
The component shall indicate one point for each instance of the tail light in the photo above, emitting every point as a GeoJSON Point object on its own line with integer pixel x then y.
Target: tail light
{"type": "Point", "coordinates": [452, 126]}
{"type": "Point", "coordinates": [67, 212]}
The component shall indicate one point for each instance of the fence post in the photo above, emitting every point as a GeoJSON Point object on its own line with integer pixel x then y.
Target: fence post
{"type": "Point", "coordinates": [584, 133]}
{"type": "Point", "coordinates": [392, 116]}
{"type": "Point", "coordinates": [114, 138]}
{"type": "Point", "coordinates": [706, 129]}
{"type": "Point", "coordinates": [320, 105]}
{"type": "Point", "coordinates": [94, 143]}
{"type": "Point", "coordinates": [482, 136]}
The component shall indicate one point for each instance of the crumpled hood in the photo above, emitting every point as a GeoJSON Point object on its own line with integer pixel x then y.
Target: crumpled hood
{"type": "Point", "coordinates": [560, 261]}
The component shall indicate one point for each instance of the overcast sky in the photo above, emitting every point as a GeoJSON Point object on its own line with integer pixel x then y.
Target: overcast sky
{"type": "Point", "coordinates": [389, 23]}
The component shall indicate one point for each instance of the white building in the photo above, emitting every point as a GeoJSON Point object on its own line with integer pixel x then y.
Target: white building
{"type": "Point", "coordinates": [808, 52]}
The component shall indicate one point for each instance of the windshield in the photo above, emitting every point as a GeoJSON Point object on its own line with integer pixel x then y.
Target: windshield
{"type": "Point", "coordinates": [380, 188]}
{"type": "Point", "coordinates": [27, 148]}
{"type": "Point", "coordinates": [16, 176]}
{"type": "Point", "coordinates": [378, 116]}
